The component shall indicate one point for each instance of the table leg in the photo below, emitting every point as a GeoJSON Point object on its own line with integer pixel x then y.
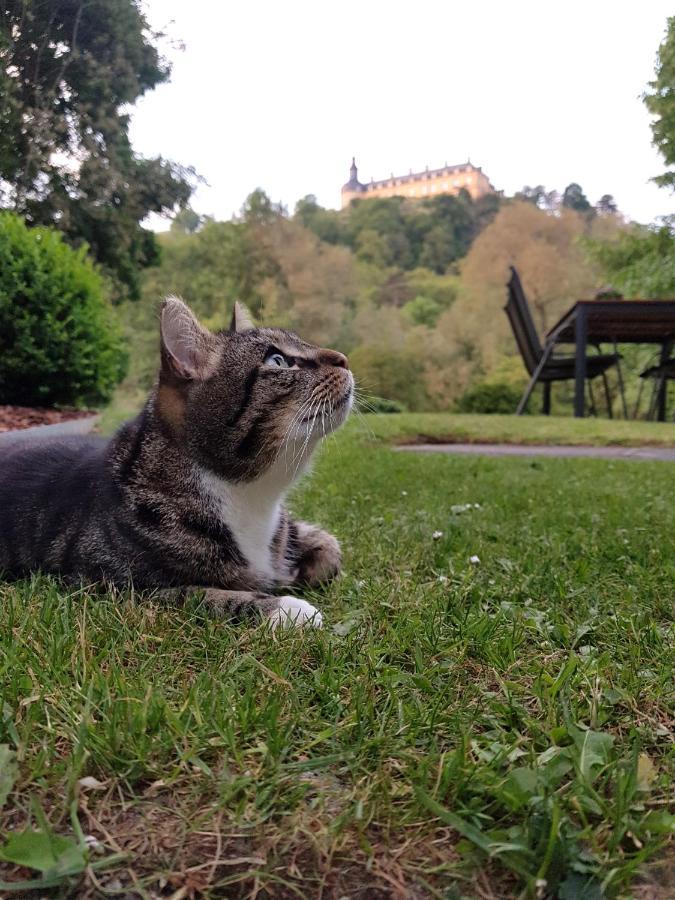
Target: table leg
{"type": "Point", "coordinates": [581, 341]}
{"type": "Point", "coordinates": [663, 387]}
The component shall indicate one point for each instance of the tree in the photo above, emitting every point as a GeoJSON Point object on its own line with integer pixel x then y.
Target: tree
{"type": "Point", "coordinates": [69, 70]}
{"type": "Point", "coordinates": [660, 102]}
{"type": "Point", "coordinates": [450, 231]}
{"type": "Point", "coordinates": [534, 195]}
{"type": "Point", "coordinates": [310, 286]}
{"type": "Point", "coordinates": [422, 311]}
{"type": "Point", "coordinates": [574, 198]}
{"type": "Point", "coordinates": [606, 205]}
{"type": "Point", "coordinates": [473, 336]}
{"type": "Point", "coordinates": [258, 208]}
{"type": "Point", "coordinates": [385, 217]}
{"type": "Point", "coordinates": [397, 231]}
{"type": "Point", "coordinates": [538, 196]}
{"type": "Point", "coordinates": [391, 373]}
{"type": "Point", "coordinates": [640, 262]}
{"type": "Point", "coordinates": [187, 221]}
{"type": "Point", "coordinates": [210, 268]}
{"type": "Point", "coordinates": [325, 223]}
{"type": "Point", "coordinates": [371, 247]}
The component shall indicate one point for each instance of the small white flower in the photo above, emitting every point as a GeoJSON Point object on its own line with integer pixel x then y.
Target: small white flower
{"type": "Point", "coordinates": [437, 535]}
{"type": "Point", "coordinates": [476, 506]}
{"type": "Point", "coordinates": [474, 560]}
{"type": "Point", "coordinates": [443, 579]}
{"type": "Point", "coordinates": [404, 493]}
{"type": "Point", "coordinates": [360, 584]}
{"type": "Point", "coordinates": [93, 843]}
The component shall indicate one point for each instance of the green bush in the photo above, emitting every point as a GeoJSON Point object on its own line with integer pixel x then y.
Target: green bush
{"type": "Point", "coordinates": [382, 405]}
{"type": "Point", "coordinates": [422, 311]}
{"type": "Point", "coordinates": [391, 374]}
{"type": "Point", "coordinates": [490, 397]}
{"type": "Point", "coordinates": [60, 342]}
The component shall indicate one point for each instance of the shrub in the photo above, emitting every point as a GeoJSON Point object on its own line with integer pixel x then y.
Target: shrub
{"type": "Point", "coordinates": [382, 405]}
{"type": "Point", "coordinates": [390, 373]}
{"type": "Point", "coordinates": [59, 339]}
{"type": "Point", "coordinates": [422, 311]}
{"type": "Point", "coordinates": [490, 397]}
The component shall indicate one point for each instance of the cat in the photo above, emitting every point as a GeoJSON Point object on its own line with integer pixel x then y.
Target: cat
{"type": "Point", "coordinates": [189, 495]}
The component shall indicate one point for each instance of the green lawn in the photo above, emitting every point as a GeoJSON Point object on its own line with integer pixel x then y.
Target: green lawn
{"type": "Point", "coordinates": [458, 729]}
{"type": "Point", "coordinates": [460, 428]}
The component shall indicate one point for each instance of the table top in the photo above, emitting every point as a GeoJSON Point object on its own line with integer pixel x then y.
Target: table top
{"type": "Point", "coordinates": [624, 321]}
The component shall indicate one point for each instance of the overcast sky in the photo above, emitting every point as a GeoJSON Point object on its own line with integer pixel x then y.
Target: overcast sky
{"type": "Point", "coordinates": [280, 95]}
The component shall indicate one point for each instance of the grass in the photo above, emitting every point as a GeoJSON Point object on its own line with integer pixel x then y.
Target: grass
{"type": "Point", "coordinates": [489, 729]}
{"type": "Point", "coordinates": [481, 429]}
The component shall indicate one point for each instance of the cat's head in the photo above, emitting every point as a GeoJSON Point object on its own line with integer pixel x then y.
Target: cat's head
{"type": "Point", "coordinates": [243, 400]}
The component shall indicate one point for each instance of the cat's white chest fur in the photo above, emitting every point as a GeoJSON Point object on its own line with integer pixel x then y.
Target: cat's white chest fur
{"type": "Point", "coordinates": [251, 511]}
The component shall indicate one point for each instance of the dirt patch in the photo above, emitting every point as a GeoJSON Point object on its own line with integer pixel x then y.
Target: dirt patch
{"type": "Point", "coordinates": [16, 418]}
{"type": "Point", "coordinates": [181, 845]}
{"type": "Point", "coordinates": [465, 440]}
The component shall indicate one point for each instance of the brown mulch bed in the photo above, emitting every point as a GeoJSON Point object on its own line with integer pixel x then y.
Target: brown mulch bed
{"type": "Point", "coordinates": [14, 418]}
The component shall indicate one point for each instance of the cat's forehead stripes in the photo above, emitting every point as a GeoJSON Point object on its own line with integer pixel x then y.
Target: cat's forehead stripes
{"type": "Point", "coordinates": [286, 341]}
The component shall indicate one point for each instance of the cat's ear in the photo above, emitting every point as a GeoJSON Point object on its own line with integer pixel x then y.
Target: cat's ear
{"type": "Point", "coordinates": [241, 318]}
{"type": "Point", "coordinates": [189, 351]}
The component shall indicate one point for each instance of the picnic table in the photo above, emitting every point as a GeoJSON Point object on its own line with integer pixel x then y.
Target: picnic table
{"type": "Point", "coordinates": [616, 321]}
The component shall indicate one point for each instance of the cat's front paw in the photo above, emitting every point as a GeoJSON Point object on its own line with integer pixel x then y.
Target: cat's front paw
{"type": "Point", "coordinates": [292, 611]}
{"type": "Point", "coordinates": [321, 559]}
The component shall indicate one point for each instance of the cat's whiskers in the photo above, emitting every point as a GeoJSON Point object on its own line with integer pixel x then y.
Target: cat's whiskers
{"type": "Point", "coordinates": [304, 412]}
{"type": "Point", "coordinates": [292, 425]}
{"type": "Point", "coordinates": [360, 402]}
{"type": "Point", "coordinates": [310, 428]}
{"type": "Point", "coordinates": [297, 459]}
{"type": "Point", "coordinates": [295, 421]}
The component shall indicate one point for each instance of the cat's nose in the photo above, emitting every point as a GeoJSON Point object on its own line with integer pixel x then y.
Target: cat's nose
{"type": "Point", "coordinates": [333, 358]}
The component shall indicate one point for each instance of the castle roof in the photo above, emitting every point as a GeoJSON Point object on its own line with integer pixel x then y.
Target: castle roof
{"type": "Point", "coordinates": [423, 176]}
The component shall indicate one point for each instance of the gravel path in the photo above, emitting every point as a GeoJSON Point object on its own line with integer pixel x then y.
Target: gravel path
{"type": "Point", "coordinates": [71, 426]}
{"type": "Point", "coordinates": [665, 454]}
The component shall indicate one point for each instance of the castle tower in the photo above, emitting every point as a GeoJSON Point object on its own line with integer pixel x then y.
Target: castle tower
{"type": "Point", "coordinates": [353, 188]}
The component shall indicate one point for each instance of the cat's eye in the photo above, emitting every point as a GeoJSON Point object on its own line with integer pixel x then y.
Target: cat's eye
{"type": "Point", "coordinates": [277, 359]}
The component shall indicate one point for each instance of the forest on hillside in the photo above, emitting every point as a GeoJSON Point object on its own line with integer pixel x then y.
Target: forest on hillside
{"type": "Point", "coordinates": [412, 290]}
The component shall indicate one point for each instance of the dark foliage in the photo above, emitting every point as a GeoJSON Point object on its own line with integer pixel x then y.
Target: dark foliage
{"type": "Point", "coordinates": [574, 198]}
{"type": "Point", "coordinates": [69, 69]}
{"type": "Point", "coordinates": [490, 398]}
{"type": "Point", "coordinates": [59, 340]}
{"type": "Point", "coordinates": [660, 101]}
{"type": "Point", "coordinates": [407, 234]}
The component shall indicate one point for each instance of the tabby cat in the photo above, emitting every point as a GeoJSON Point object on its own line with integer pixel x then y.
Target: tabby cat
{"type": "Point", "coordinates": [190, 494]}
